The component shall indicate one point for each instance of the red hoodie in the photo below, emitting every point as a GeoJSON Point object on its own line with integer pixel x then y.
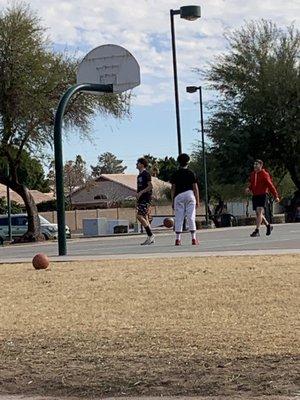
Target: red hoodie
{"type": "Point", "coordinates": [261, 183]}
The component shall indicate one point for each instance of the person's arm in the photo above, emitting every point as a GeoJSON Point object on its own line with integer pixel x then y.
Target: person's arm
{"type": "Point", "coordinates": [173, 188]}
{"type": "Point", "coordinates": [248, 189]}
{"type": "Point", "coordinates": [173, 194]}
{"type": "Point", "coordinates": [196, 193]}
{"type": "Point", "coordinates": [271, 186]}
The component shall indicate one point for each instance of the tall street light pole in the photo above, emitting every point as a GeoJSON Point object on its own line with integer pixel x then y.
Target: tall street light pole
{"type": "Point", "coordinates": [190, 13]}
{"type": "Point", "coordinates": [193, 89]}
{"type": "Point", "coordinates": [8, 205]}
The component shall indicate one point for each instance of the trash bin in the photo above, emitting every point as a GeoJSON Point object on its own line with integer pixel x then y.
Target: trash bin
{"type": "Point", "coordinates": [226, 220]}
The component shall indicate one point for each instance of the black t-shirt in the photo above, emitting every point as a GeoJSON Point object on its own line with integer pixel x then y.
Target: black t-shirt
{"type": "Point", "coordinates": [142, 182]}
{"type": "Point", "coordinates": [183, 179]}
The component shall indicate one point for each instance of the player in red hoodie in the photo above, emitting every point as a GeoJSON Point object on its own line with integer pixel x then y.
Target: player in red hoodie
{"type": "Point", "coordinates": [260, 184]}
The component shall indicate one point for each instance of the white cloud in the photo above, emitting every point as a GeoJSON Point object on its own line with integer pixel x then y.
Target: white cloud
{"type": "Point", "coordinates": [143, 27]}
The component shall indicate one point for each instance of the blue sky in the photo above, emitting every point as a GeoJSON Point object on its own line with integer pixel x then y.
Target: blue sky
{"type": "Point", "coordinates": [149, 130]}
{"type": "Point", "coordinates": [143, 28]}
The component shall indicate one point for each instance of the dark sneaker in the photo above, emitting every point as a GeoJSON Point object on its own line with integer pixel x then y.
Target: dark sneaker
{"type": "Point", "coordinates": [195, 242]}
{"type": "Point", "coordinates": [177, 242]}
{"type": "Point", "coordinates": [255, 233]}
{"type": "Point", "coordinates": [269, 230]}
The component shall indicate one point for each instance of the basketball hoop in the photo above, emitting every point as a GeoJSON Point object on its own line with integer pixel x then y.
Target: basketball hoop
{"type": "Point", "coordinates": [110, 64]}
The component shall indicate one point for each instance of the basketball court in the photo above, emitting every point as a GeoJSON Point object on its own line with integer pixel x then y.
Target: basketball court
{"type": "Point", "coordinates": [222, 241]}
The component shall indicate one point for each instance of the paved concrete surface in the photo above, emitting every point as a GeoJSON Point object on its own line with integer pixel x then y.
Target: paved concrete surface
{"type": "Point", "coordinates": [285, 239]}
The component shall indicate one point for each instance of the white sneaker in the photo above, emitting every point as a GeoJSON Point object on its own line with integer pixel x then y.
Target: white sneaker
{"type": "Point", "coordinates": [149, 240]}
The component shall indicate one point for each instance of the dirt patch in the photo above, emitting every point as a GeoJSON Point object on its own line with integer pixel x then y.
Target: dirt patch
{"type": "Point", "coordinates": [206, 326]}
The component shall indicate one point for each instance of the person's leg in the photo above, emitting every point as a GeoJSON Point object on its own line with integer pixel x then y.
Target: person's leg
{"type": "Point", "coordinates": [264, 220]}
{"type": "Point", "coordinates": [259, 217]}
{"type": "Point", "coordinates": [144, 221]}
{"type": "Point", "coordinates": [256, 206]}
{"type": "Point", "coordinates": [263, 203]}
{"type": "Point", "coordinates": [191, 215]}
{"type": "Point", "coordinates": [268, 225]}
{"type": "Point", "coordinates": [179, 209]}
{"type": "Point", "coordinates": [142, 216]}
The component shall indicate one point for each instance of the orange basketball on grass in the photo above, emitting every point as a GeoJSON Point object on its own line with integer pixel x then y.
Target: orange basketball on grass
{"type": "Point", "coordinates": [168, 222]}
{"type": "Point", "coordinates": [40, 261]}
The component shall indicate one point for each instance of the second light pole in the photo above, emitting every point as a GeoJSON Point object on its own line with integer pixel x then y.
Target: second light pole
{"type": "Point", "coordinates": [193, 89]}
{"type": "Point", "coordinates": [190, 13]}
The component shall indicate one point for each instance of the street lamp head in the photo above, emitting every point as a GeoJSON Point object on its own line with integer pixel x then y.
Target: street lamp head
{"type": "Point", "coordinates": [191, 13]}
{"type": "Point", "coordinates": [191, 89]}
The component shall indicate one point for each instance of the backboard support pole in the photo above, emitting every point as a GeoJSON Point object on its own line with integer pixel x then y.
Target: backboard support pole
{"type": "Point", "coordinates": [58, 154]}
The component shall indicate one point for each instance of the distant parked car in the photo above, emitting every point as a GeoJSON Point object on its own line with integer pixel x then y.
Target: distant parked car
{"type": "Point", "coordinates": [19, 224]}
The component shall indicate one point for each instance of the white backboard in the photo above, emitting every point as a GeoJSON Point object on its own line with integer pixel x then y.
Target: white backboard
{"type": "Point", "coordinates": [110, 64]}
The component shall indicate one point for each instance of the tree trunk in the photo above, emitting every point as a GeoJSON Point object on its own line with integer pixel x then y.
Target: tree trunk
{"type": "Point", "coordinates": [33, 233]}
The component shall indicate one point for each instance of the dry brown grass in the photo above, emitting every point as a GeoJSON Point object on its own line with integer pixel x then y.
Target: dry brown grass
{"type": "Point", "coordinates": [205, 326]}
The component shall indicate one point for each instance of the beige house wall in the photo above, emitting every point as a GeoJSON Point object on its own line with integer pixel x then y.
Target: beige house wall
{"type": "Point", "coordinates": [74, 218]}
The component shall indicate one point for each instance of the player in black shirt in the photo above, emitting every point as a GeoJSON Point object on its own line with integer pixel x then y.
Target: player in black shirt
{"type": "Point", "coordinates": [144, 197]}
{"type": "Point", "coordinates": [185, 198]}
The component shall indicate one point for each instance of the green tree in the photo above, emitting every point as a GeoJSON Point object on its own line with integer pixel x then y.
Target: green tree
{"type": "Point", "coordinates": [75, 174]}
{"type": "Point", "coordinates": [15, 207]}
{"type": "Point", "coordinates": [285, 185]}
{"type": "Point", "coordinates": [32, 80]}
{"type": "Point", "coordinates": [166, 167]}
{"type": "Point", "coordinates": [107, 164]}
{"type": "Point", "coordinates": [30, 172]}
{"type": "Point", "coordinates": [257, 114]}
{"type": "Point", "coordinates": [152, 164]}
{"type": "Point", "coordinates": [217, 188]}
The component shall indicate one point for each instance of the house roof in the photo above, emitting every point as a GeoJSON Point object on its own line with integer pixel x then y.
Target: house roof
{"type": "Point", "coordinates": [130, 180]}
{"type": "Point", "coordinates": [38, 196]}
{"type": "Point", "coordinates": [127, 180]}
{"type": "Point", "coordinates": [123, 179]}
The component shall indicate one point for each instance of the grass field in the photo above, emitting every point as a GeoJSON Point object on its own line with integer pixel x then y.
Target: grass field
{"type": "Point", "coordinates": [193, 326]}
